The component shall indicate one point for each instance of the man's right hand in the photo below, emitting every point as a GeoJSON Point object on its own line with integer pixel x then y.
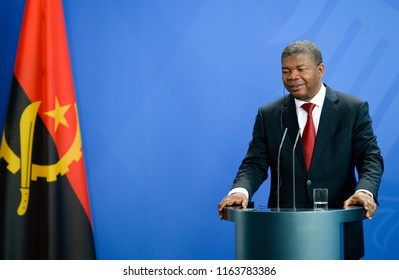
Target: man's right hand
{"type": "Point", "coordinates": [232, 199]}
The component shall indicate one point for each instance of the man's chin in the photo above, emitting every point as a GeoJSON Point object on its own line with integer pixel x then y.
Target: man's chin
{"type": "Point", "coordinates": [300, 95]}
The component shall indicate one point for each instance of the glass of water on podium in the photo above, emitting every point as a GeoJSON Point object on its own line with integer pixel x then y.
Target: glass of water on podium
{"type": "Point", "coordinates": [320, 199]}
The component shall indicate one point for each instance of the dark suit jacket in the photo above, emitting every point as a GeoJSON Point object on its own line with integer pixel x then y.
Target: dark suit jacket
{"type": "Point", "coordinates": [344, 140]}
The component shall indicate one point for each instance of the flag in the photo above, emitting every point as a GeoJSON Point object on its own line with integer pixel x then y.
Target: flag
{"type": "Point", "coordinates": [44, 205]}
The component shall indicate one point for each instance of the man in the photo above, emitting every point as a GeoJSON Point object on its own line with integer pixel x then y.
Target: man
{"type": "Point", "coordinates": [344, 140]}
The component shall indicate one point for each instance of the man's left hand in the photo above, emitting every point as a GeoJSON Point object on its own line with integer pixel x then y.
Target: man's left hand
{"type": "Point", "coordinates": [362, 199]}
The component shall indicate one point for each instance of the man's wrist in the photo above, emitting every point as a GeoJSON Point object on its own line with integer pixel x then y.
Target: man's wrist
{"type": "Point", "coordinates": [239, 190]}
{"type": "Point", "coordinates": [366, 192]}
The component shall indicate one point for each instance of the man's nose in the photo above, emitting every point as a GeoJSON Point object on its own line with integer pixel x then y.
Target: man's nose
{"type": "Point", "coordinates": [293, 75]}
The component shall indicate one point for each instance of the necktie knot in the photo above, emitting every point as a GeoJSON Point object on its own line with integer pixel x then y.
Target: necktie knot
{"type": "Point", "coordinates": [308, 107]}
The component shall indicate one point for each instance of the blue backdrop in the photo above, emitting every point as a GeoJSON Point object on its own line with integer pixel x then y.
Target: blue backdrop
{"type": "Point", "coordinates": [168, 91]}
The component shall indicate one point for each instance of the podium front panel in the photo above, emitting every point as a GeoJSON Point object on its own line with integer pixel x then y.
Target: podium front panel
{"type": "Point", "coordinates": [303, 234]}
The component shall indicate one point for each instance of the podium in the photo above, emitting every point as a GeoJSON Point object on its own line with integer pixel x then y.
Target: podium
{"type": "Point", "coordinates": [285, 234]}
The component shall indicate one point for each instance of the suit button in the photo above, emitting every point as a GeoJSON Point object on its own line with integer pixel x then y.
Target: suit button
{"type": "Point", "coordinates": [308, 182]}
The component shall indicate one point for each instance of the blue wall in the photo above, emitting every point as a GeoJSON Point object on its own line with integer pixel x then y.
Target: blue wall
{"type": "Point", "coordinates": [168, 90]}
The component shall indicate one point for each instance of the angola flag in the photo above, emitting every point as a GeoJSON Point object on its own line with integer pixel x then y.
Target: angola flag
{"type": "Point", "coordinates": [44, 205]}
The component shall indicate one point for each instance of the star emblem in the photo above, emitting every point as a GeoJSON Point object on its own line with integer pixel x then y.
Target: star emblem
{"type": "Point", "coordinates": [58, 114]}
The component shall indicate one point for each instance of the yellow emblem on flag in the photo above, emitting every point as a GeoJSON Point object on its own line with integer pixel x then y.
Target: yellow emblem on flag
{"type": "Point", "coordinates": [29, 170]}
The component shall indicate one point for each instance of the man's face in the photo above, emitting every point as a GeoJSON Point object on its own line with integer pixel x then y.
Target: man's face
{"type": "Point", "coordinates": [301, 76]}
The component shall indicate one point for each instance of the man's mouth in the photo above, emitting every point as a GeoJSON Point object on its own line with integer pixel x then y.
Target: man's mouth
{"type": "Point", "coordinates": [295, 87]}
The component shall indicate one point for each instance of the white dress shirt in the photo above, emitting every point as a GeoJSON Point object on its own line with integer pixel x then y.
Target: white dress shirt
{"type": "Point", "coordinates": [302, 115]}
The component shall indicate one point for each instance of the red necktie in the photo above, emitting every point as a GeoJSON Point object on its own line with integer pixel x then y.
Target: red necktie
{"type": "Point", "coordinates": [309, 134]}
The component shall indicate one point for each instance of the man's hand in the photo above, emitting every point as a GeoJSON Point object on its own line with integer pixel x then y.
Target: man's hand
{"type": "Point", "coordinates": [233, 199]}
{"type": "Point", "coordinates": [362, 199]}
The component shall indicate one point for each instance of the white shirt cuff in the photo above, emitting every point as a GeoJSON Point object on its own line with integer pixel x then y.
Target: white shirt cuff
{"type": "Point", "coordinates": [239, 190]}
{"type": "Point", "coordinates": [366, 191]}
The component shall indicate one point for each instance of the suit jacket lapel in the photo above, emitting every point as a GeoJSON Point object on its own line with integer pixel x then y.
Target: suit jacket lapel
{"type": "Point", "coordinates": [290, 120]}
{"type": "Point", "coordinates": [328, 121]}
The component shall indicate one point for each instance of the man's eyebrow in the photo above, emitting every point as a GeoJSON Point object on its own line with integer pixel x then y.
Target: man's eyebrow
{"type": "Point", "coordinates": [300, 65]}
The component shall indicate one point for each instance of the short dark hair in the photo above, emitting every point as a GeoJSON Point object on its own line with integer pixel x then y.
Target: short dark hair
{"type": "Point", "coordinates": [303, 47]}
